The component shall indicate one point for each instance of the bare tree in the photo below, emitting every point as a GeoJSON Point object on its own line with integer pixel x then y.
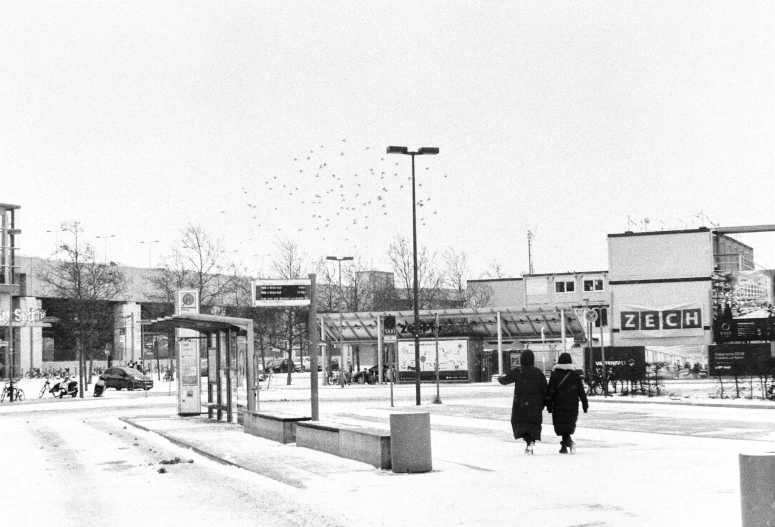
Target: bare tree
{"type": "Point", "coordinates": [88, 288]}
{"type": "Point", "coordinates": [327, 293]}
{"type": "Point", "coordinates": [456, 276]}
{"type": "Point", "coordinates": [290, 264]}
{"type": "Point", "coordinates": [460, 292]}
{"type": "Point", "coordinates": [494, 270]}
{"type": "Point", "coordinates": [430, 281]}
{"type": "Point", "coordinates": [479, 294]}
{"type": "Point", "coordinates": [198, 262]}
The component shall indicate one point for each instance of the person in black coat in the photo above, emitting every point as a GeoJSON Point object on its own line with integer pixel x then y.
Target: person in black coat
{"type": "Point", "coordinates": [562, 401]}
{"type": "Point", "coordinates": [529, 392]}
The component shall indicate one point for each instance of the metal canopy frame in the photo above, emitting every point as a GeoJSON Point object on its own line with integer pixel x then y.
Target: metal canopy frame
{"type": "Point", "coordinates": [202, 323]}
{"type": "Point", "coordinates": [519, 323]}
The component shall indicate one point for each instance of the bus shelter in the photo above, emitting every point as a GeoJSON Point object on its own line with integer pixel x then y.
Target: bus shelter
{"type": "Point", "coordinates": [223, 366]}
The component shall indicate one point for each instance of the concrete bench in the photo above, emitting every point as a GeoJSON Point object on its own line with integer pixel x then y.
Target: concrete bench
{"type": "Point", "coordinates": [318, 436]}
{"type": "Point", "coordinates": [273, 425]}
{"type": "Point", "coordinates": [367, 445]}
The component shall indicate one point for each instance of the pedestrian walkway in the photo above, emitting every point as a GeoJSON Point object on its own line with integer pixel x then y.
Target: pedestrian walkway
{"type": "Point", "coordinates": [481, 475]}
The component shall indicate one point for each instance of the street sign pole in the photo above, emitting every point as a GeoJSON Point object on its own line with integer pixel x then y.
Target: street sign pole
{"type": "Point", "coordinates": [437, 400]}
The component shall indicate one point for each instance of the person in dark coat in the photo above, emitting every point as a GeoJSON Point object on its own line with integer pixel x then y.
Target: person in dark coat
{"type": "Point", "coordinates": [529, 392]}
{"type": "Point", "coordinates": [562, 401]}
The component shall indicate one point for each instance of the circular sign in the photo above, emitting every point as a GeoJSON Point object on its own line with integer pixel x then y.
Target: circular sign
{"type": "Point", "coordinates": [590, 315]}
{"type": "Point", "coordinates": [422, 359]}
{"type": "Point", "coordinates": [188, 299]}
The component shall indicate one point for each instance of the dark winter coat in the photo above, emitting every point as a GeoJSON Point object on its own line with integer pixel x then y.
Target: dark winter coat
{"type": "Point", "coordinates": [563, 401]}
{"type": "Point", "coordinates": [529, 393]}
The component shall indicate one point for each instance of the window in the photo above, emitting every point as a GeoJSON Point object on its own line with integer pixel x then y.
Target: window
{"type": "Point", "coordinates": [593, 285]}
{"type": "Point", "coordinates": [602, 317]}
{"type": "Point", "coordinates": [565, 286]}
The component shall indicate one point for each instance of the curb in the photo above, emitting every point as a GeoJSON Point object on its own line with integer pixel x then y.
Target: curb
{"type": "Point", "coordinates": [670, 402]}
{"type": "Point", "coordinates": [183, 444]}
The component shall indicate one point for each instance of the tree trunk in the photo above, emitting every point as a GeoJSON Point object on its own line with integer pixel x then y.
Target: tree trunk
{"type": "Point", "coordinates": [81, 372]}
{"type": "Point", "coordinates": [290, 344]}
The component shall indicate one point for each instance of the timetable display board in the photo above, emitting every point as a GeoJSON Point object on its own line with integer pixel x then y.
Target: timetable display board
{"type": "Point", "coordinates": [280, 293]}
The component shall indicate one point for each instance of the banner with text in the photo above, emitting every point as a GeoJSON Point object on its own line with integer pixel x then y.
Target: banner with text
{"type": "Point", "coordinates": [681, 320]}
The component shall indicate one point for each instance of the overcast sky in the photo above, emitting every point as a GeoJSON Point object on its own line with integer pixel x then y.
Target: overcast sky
{"type": "Point", "coordinates": [268, 121]}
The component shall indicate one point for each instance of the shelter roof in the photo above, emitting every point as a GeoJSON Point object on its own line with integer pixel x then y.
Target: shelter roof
{"type": "Point", "coordinates": [523, 323]}
{"type": "Point", "coordinates": [201, 323]}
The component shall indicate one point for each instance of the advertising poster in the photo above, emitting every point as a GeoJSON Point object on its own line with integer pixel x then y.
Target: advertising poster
{"type": "Point", "coordinates": [453, 359]}
{"type": "Point", "coordinates": [746, 294]}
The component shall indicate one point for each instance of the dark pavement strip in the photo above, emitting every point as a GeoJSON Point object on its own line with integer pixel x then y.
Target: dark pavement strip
{"type": "Point", "coordinates": [640, 421]}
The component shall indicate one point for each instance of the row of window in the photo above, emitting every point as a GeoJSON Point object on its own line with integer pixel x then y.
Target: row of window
{"type": "Point", "coordinates": [569, 286]}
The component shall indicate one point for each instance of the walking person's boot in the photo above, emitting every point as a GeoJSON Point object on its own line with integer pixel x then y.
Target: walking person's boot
{"type": "Point", "coordinates": [563, 448]}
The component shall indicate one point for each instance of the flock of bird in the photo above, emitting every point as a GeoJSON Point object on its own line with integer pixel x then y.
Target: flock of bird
{"type": "Point", "coordinates": [341, 193]}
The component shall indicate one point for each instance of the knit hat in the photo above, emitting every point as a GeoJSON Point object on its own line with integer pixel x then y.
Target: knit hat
{"type": "Point", "coordinates": [527, 358]}
{"type": "Point", "coordinates": [565, 358]}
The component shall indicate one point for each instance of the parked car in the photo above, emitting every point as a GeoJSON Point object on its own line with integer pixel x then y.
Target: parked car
{"type": "Point", "coordinates": [271, 365]}
{"type": "Point", "coordinates": [283, 367]}
{"type": "Point", "coordinates": [306, 364]}
{"type": "Point", "coordinates": [280, 366]}
{"type": "Point", "coordinates": [123, 377]}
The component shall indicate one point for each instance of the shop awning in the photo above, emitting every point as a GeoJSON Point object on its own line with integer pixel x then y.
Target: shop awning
{"type": "Point", "coordinates": [517, 323]}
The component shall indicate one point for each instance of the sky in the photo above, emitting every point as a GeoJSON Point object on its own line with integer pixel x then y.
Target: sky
{"type": "Point", "coordinates": [267, 122]}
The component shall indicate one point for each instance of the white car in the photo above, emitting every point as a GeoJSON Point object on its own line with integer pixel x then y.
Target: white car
{"type": "Point", "coordinates": [306, 364]}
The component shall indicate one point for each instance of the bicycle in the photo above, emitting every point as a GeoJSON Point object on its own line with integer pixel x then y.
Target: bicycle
{"type": "Point", "coordinates": [597, 386]}
{"type": "Point", "coordinates": [46, 387]}
{"type": "Point", "coordinates": [14, 393]}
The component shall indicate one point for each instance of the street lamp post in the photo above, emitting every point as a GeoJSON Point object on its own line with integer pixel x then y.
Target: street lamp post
{"type": "Point", "coordinates": [105, 240]}
{"type": "Point", "coordinates": [422, 151]}
{"type": "Point", "coordinates": [150, 245]}
{"type": "Point", "coordinates": [56, 232]}
{"type": "Point", "coordinates": [341, 336]}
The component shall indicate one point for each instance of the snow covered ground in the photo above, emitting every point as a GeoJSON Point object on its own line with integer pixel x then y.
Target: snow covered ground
{"type": "Point", "coordinates": [637, 464]}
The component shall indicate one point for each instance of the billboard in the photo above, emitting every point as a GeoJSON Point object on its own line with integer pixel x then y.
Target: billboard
{"type": "Point", "coordinates": [744, 306]}
{"type": "Point", "coordinates": [741, 359]}
{"type": "Point", "coordinates": [677, 320]}
{"type": "Point", "coordinates": [453, 359]}
{"type": "Point", "coordinates": [626, 362]}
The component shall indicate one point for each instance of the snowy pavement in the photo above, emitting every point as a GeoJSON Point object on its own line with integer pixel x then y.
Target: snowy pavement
{"type": "Point", "coordinates": [637, 464]}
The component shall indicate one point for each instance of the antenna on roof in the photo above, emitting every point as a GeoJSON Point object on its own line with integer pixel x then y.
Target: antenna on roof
{"type": "Point", "coordinates": [530, 236]}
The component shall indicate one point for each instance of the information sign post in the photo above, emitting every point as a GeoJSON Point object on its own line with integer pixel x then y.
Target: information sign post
{"type": "Point", "coordinates": [189, 381]}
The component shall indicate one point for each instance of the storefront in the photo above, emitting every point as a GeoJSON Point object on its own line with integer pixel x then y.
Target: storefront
{"type": "Point", "coordinates": [470, 341]}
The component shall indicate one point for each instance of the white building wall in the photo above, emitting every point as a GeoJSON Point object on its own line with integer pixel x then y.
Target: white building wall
{"type": "Point", "coordinates": [653, 256]}
{"type": "Point", "coordinates": [505, 292]}
{"type": "Point", "coordinates": [127, 343]}
{"type": "Point", "coordinates": [30, 338]}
